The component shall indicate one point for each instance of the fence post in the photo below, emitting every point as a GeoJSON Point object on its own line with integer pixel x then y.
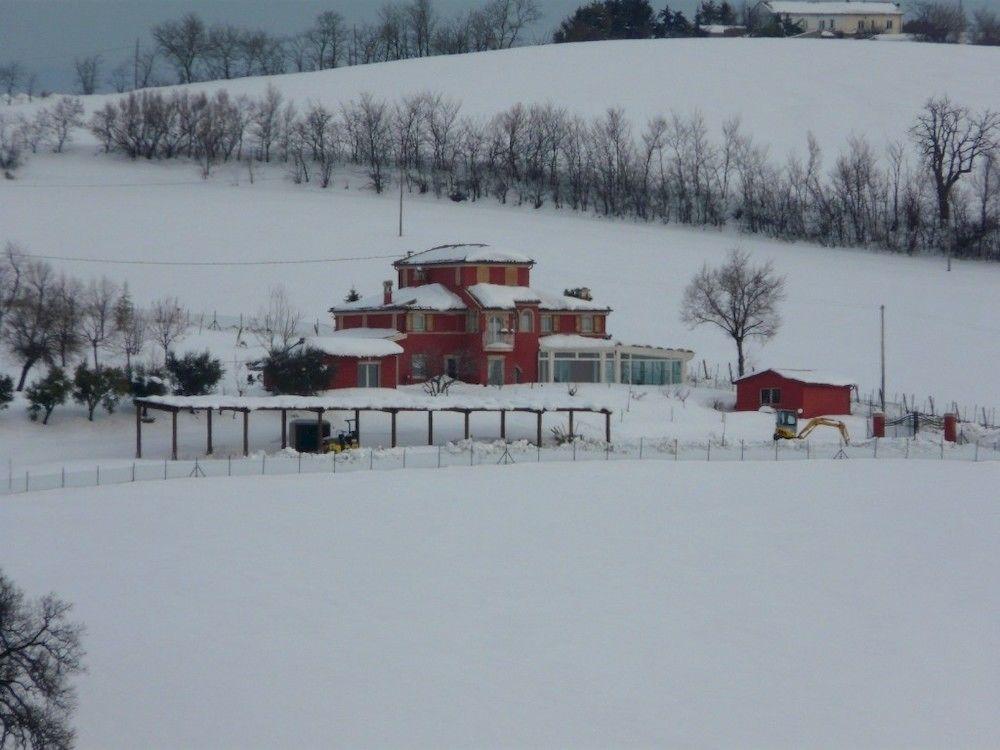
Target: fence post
{"type": "Point", "coordinates": [98, 475]}
{"type": "Point", "coordinates": [230, 472]}
{"type": "Point", "coordinates": [27, 480]}
{"type": "Point", "coordinates": [677, 452]}
{"type": "Point", "coordinates": [371, 459]}
{"type": "Point", "coordinates": [942, 449]}
{"type": "Point", "coordinates": [404, 456]}
{"type": "Point", "coordinates": [472, 453]}
{"type": "Point", "coordinates": [708, 455]}
{"type": "Point", "coordinates": [808, 451]}
{"type": "Point", "coordinates": [977, 452]}
{"type": "Point", "coordinates": [263, 464]}
{"type": "Point", "coordinates": [907, 454]}
{"type": "Point", "coordinates": [439, 456]}
{"type": "Point", "coordinates": [775, 450]}
{"type": "Point", "coordinates": [164, 468]}
{"type": "Point", "coordinates": [640, 448]}
{"type": "Point", "coordinates": [607, 451]}
{"type": "Point", "coordinates": [742, 445]}
{"type": "Point", "coordinates": [300, 463]}
{"type": "Point", "coordinates": [64, 477]}
{"type": "Point", "coordinates": [574, 448]}
{"type": "Point", "coordinates": [333, 457]}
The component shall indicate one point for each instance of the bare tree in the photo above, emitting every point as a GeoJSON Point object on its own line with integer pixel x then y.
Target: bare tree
{"type": "Point", "coordinates": [422, 20]}
{"type": "Point", "coordinates": [950, 140]}
{"type": "Point", "coordinates": [67, 337]}
{"type": "Point", "coordinates": [11, 144]}
{"type": "Point", "coordinates": [168, 323]}
{"type": "Point", "coordinates": [183, 43]}
{"type": "Point", "coordinates": [740, 298]}
{"type": "Point", "coordinates": [937, 21]}
{"type": "Point", "coordinates": [986, 27]}
{"type": "Point", "coordinates": [29, 323]}
{"type": "Point", "coordinates": [326, 40]}
{"type": "Point", "coordinates": [12, 264]}
{"type": "Point", "coordinates": [39, 652]}
{"type": "Point", "coordinates": [223, 46]}
{"type": "Point", "coordinates": [87, 70]}
{"type": "Point", "coordinates": [143, 66]}
{"type": "Point", "coordinates": [276, 325]}
{"type": "Point", "coordinates": [11, 75]}
{"type": "Point", "coordinates": [130, 328]}
{"type": "Point", "coordinates": [98, 314]}
{"type": "Point", "coordinates": [506, 19]}
{"type": "Point", "coordinates": [66, 116]}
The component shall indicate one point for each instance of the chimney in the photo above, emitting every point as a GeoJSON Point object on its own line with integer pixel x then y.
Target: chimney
{"type": "Point", "coordinates": [386, 292]}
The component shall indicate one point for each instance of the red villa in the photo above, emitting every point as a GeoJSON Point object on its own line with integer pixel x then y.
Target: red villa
{"type": "Point", "coordinates": [468, 311]}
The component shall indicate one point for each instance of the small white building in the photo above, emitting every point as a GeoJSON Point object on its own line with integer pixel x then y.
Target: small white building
{"type": "Point", "coordinates": [843, 17]}
{"type": "Point", "coordinates": [569, 358]}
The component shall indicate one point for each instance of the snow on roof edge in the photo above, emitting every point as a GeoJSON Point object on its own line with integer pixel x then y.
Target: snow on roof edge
{"type": "Point", "coordinates": [802, 376]}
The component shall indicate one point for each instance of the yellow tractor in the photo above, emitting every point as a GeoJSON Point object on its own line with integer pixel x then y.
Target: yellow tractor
{"type": "Point", "coordinates": [346, 439]}
{"type": "Point", "coordinates": [786, 426]}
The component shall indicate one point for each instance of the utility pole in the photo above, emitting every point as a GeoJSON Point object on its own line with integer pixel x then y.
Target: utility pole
{"type": "Point", "coordinates": [400, 202]}
{"type": "Point", "coordinates": [881, 314]}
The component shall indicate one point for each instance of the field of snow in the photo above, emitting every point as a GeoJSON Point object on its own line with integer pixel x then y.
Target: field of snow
{"type": "Point", "coordinates": [781, 88]}
{"type": "Point", "coordinates": [834, 604]}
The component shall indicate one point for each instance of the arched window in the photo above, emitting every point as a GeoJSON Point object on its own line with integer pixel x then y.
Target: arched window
{"type": "Point", "coordinates": [526, 323]}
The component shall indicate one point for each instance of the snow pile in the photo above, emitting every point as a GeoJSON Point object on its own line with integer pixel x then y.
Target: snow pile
{"type": "Point", "coordinates": [596, 604]}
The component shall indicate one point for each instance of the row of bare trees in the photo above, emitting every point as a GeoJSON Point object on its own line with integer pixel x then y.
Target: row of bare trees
{"type": "Point", "coordinates": [52, 318]}
{"type": "Point", "coordinates": [939, 192]}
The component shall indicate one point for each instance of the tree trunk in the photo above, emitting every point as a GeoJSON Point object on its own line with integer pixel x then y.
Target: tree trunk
{"type": "Point", "coordinates": [740, 359]}
{"type": "Point", "coordinates": [94, 345]}
{"type": "Point", "coordinates": [944, 206]}
{"type": "Point", "coordinates": [24, 373]}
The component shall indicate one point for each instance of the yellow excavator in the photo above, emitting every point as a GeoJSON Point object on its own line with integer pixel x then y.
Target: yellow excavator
{"type": "Point", "coordinates": [786, 426]}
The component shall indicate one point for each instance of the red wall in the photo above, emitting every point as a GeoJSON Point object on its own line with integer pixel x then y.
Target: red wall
{"type": "Point", "coordinates": [346, 373]}
{"type": "Point", "coordinates": [446, 276]}
{"type": "Point", "coordinates": [814, 399]}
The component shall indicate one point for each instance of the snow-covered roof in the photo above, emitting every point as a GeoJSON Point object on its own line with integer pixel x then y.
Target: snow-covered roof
{"type": "Point", "coordinates": [463, 253]}
{"type": "Point", "coordinates": [843, 8]}
{"type": "Point", "coordinates": [354, 346]}
{"type": "Point", "coordinates": [573, 342]}
{"type": "Point", "coordinates": [389, 398]}
{"type": "Point", "coordinates": [501, 297]}
{"type": "Point", "coordinates": [423, 297]}
{"type": "Point", "coordinates": [803, 376]}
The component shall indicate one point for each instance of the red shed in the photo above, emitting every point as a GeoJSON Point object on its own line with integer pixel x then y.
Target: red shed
{"type": "Point", "coordinates": [811, 392]}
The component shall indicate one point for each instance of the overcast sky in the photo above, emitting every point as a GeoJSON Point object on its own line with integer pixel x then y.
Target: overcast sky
{"type": "Point", "coordinates": [45, 35]}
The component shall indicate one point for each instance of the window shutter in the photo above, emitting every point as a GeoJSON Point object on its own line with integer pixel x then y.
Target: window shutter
{"type": "Point", "coordinates": [511, 276]}
{"type": "Point", "coordinates": [577, 318]}
{"type": "Point", "coordinates": [429, 322]}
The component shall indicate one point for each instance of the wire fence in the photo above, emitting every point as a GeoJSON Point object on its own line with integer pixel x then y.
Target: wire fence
{"type": "Point", "coordinates": [470, 453]}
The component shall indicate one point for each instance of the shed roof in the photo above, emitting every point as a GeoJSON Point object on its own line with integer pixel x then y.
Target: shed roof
{"type": "Point", "coordinates": [842, 8]}
{"type": "Point", "coordinates": [812, 377]}
{"type": "Point", "coordinates": [473, 252]}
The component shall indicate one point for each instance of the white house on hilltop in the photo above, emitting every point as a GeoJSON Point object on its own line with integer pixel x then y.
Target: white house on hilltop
{"type": "Point", "coordinates": [843, 17]}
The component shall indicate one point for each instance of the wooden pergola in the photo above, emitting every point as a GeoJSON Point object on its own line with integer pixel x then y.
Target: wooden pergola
{"type": "Point", "coordinates": [320, 405]}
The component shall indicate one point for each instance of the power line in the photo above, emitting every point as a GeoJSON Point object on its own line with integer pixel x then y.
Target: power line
{"type": "Point", "coordinates": [211, 263]}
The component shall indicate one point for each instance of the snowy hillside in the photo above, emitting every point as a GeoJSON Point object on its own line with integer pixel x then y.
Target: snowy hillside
{"type": "Point", "coordinates": [781, 88]}
{"type": "Point", "coordinates": [837, 604]}
{"type": "Point", "coordinates": [941, 336]}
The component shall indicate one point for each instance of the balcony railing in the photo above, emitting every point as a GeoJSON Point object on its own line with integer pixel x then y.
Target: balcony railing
{"type": "Point", "coordinates": [498, 340]}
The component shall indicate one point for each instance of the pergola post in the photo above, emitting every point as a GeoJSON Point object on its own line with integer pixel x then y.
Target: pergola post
{"type": "Point", "coordinates": [138, 431]}
{"type": "Point", "coordinates": [208, 425]}
{"type": "Point", "coordinates": [570, 424]}
{"type": "Point", "coordinates": [357, 423]}
{"type": "Point", "coordinates": [392, 419]}
{"type": "Point", "coordinates": [319, 430]}
{"type": "Point", "coordinates": [284, 429]}
{"type": "Point", "coordinates": [430, 427]}
{"type": "Point", "coordinates": [246, 432]}
{"type": "Point", "coordinates": [503, 425]}
{"type": "Point", "coordinates": [466, 424]}
{"type": "Point", "coordinates": [538, 440]}
{"type": "Point", "coordinates": [607, 427]}
{"type": "Point", "coordinates": [173, 434]}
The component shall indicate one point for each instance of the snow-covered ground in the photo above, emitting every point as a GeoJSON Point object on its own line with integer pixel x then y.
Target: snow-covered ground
{"type": "Point", "coordinates": [780, 88]}
{"type": "Point", "coordinates": [829, 604]}
{"type": "Point", "coordinates": [941, 329]}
